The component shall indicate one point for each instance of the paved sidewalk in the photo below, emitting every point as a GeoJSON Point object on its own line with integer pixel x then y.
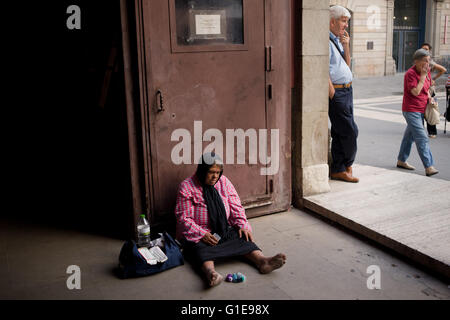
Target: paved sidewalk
{"type": "Point", "coordinates": [386, 86]}
{"type": "Point", "coordinates": [406, 212]}
{"type": "Point", "coordinates": [323, 262]}
{"type": "Point", "coordinates": [378, 109]}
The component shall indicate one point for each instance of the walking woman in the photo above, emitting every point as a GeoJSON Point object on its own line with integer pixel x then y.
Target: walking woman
{"type": "Point", "coordinates": [416, 94]}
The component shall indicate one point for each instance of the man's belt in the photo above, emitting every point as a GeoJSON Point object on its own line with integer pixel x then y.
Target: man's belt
{"type": "Point", "coordinates": [340, 86]}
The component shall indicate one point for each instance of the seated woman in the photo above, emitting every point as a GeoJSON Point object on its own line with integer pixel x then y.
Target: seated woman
{"type": "Point", "coordinates": [207, 204]}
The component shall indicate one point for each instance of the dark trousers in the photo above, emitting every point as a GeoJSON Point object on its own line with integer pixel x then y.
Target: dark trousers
{"type": "Point", "coordinates": [432, 130]}
{"type": "Point", "coordinates": [344, 130]}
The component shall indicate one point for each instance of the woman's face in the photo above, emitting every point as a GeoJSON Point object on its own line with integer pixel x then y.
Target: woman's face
{"type": "Point", "coordinates": [420, 64]}
{"type": "Point", "coordinates": [213, 175]}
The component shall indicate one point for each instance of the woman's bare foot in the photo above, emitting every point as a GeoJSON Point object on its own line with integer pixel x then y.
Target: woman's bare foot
{"type": "Point", "coordinates": [214, 278]}
{"type": "Point", "coordinates": [273, 263]}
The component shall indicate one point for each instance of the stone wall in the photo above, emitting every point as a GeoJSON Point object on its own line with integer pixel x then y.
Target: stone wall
{"type": "Point", "coordinates": [370, 26]}
{"type": "Point", "coordinates": [444, 48]}
{"type": "Point", "coordinates": [437, 10]}
{"type": "Point", "coordinates": [310, 101]}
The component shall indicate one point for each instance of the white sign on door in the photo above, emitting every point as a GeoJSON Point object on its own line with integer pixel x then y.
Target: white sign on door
{"type": "Point", "coordinates": [207, 24]}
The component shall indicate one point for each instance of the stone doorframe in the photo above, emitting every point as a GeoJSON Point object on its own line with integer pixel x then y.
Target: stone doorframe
{"type": "Point", "coordinates": [310, 100]}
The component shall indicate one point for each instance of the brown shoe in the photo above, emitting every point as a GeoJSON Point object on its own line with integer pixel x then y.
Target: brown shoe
{"type": "Point", "coordinates": [430, 171]}
{"type": "Point", "coordinates": [404, 165]}
{"type": "Point", "coordinates": [344, 176]}
{"type": "Point", "coordinates": [349, 170]}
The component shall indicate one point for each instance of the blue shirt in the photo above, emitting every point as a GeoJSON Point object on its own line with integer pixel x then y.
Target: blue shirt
{"type": "Point", "coordinates": [340, 72]}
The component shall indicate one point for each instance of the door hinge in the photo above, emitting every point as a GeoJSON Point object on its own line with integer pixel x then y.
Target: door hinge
{"type": "Point", "coordinates": [269, 92]}
{"type": "Point", "coordinates": [268, 59]}
{"type": "Point", "coordinates": [271, 186]}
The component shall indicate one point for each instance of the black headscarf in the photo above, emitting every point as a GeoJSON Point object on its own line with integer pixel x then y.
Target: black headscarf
{"type": "Point", "coordinates": [216, 210]}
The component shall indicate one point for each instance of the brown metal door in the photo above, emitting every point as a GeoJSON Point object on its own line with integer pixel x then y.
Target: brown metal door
{"type": "Point", "coordinates": [205, 69]}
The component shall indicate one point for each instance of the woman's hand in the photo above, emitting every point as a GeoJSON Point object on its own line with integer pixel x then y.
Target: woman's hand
{"type": "Point", "coordinates": [208, 238]}
{"type": "Point", "coordinates": [248, 234]}
{"type": "Point", "coordinates": [425, 70]}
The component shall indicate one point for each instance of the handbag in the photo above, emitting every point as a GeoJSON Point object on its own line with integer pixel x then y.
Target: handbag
{"type": "Point", "coordinates": [133, 264]}
{"type": "Point", "coordinates": [432, 112]}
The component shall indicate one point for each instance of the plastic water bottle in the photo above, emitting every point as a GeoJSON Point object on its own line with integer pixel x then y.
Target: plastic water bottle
{"type": "Point", "coordinates": [143, 229]}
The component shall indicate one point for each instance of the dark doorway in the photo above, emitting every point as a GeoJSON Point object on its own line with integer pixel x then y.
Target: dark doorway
{"type": "Point", "coordinates": [73, 145]}
{"type": "Point", "coordinates": [409, 31]}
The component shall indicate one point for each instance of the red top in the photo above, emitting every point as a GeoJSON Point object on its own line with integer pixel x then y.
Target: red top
{"type": "Point", "coordinates": [192, 213]}
{"type": "Point", "coordinates": [412, 103]}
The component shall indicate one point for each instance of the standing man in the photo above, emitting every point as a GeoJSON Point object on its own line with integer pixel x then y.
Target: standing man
{"type": "Point", "coordinates": [344, 130]}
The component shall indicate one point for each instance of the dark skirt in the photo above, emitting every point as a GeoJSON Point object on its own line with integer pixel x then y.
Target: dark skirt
{"type": "Point", "coordinates": [232, 246]}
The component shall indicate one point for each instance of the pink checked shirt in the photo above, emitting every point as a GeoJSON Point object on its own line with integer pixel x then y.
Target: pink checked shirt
{"type": "Point", "coordinates": [192, 214]}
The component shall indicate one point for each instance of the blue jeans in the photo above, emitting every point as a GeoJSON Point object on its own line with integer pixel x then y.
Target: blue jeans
{"type": "Point", "coordinates": [415, 132]}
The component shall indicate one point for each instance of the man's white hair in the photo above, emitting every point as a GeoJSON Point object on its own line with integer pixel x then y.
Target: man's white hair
{"type": "Point", "coordinates": [336, 12]}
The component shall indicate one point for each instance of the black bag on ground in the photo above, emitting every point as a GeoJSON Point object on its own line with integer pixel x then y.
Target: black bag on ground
{"type": "Point", "coordinates": [132, 264]}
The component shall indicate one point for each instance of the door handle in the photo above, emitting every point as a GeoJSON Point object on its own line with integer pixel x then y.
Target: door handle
{"type": "Point", "coordinates": [159, 101]}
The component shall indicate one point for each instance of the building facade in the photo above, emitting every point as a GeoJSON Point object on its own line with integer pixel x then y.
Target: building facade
{"type": "Point", "coordinates": [385, 33]}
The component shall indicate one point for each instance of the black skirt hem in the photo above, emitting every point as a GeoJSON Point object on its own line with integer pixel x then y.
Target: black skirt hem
{"type": "Point", "coordinates": [231, 247]}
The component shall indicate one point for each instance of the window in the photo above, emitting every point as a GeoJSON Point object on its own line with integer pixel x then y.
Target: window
{"type": "Point", "coordinates": [207, 25]}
